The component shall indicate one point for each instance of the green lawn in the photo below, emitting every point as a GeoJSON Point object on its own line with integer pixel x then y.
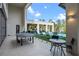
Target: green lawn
{"type": "Point", "coordinates": [43, 37]}
{"type": "Point", "coordinates": [46, 37]}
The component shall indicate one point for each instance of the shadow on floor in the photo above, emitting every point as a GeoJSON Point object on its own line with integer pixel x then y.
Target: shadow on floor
{"type": "Point", "coordinates": [14, 43]}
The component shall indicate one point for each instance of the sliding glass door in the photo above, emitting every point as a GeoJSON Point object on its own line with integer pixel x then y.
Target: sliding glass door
{"type": "Point", "coordinates": [2, 26]}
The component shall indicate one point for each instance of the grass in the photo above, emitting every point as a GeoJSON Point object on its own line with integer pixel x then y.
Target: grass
{"type": "Point", "coordinates": [46, 37]}
{"type": "Point", "coordinates": [43, 37]}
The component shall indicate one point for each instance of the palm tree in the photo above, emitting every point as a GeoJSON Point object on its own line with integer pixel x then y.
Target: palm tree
{"type": "Point", "coordinates": [60, 26]}
{"type": "Point", "coordinates": [43, 19]}
{"type": "Point", "coordinates": [50, 20]}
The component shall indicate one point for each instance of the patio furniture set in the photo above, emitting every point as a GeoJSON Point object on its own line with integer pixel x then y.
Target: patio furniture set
{"type": "Point", "coordinates": [55, 41]}
{"type": "Point", "coordinates": [21, 36]}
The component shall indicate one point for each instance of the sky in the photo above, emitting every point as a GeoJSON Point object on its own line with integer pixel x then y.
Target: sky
{"type": "Point", "coordinates": [45, 11]}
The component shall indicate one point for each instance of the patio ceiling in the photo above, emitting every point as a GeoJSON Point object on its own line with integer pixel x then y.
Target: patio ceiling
{"type": "Point", "coordinates": [21, 5]}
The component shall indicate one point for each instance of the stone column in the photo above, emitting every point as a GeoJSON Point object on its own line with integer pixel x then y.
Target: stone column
{"type": "Point", "coordinates": [46, 28]}
{"type": "Point", "coordinates": [25, 18]}
{"type": "Point", "coordinates": [38, 28]}
{"type": "Point", "coordinates": [72, 26]}
{"type": "Point", "coordinates": [25, 26]}
{"type": "Point", "coordinates": [52, 27]}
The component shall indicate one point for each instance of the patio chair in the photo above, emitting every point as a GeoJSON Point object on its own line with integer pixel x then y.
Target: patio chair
{"type": "Point", "coordinates": [69, 46]}
{"type": "Point", "coordinates": [55, 37]}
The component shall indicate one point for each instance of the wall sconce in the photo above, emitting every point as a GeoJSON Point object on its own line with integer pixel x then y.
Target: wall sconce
{"type": "Point", "coordinates": [70, 19]}
{"type": "Point", "coordinates": [71, 16]}
{"type": "Point", "coordinates": [70, 13]}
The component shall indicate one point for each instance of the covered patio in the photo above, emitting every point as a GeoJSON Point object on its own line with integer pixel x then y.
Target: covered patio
{"type": "Point", "coordinates": [38, 48]}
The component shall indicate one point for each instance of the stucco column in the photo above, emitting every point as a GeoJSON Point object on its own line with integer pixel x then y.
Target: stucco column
{"type": "Point", "coordinates": [72, 27]}
{"type": "Point", "coordinates": [46, 28]}
{"type": "Point", "coordinates": [25, 26]}
{"type": "Point", "coordinates": [25, 17]}
{"type": "Point", "coordinates": [52, 28]}
{"type": "Point", "coordinates": [38, 28]}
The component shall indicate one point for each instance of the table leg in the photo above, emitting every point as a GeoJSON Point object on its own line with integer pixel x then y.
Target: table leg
{"type": "Point", "coordinates": [62, 51]}
{"type": "Point", "coordinates": [51, 46]}
{"type": "Point", "coordinates": [57, 49]}
{"type": "Point", "coordinates": [54, 51]}
{"type": "Point", "coordinates": [17, 39]}
{"type": "Point", "coordinates": [21, 42]}
{"type": "Point", "coordinates": [32, 39]}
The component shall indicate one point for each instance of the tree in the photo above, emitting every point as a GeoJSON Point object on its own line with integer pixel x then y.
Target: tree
{"type": "Point", "coordinates": [60, 26]}
{"type": "Point", "coordinates": [50, 20]}
{"type": "Point", "coordinates": [41, 19]}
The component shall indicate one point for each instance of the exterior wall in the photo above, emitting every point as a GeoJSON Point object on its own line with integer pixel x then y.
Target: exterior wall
{"type": "Point", "coordinates": [15, 17]}
{"type": "Point", "coordinates": [72, 11]}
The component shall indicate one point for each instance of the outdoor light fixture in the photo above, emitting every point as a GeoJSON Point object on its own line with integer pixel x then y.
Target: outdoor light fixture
{"type": "Point", "coordinates": [71, 19]}
{"type": "Point", "coordinates": [71, 16]}
{"type": "Point", "coordinates": [71, 13]}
